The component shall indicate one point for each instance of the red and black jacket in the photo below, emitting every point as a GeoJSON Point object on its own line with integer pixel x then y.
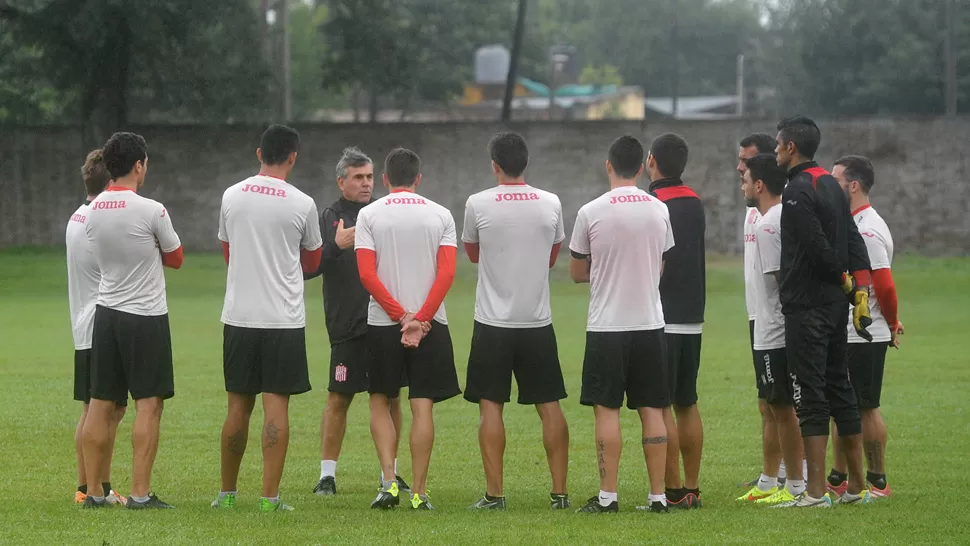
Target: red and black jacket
{"type": "Point", "coordinates": [819, 240]}
{"type": "Point", "coordinates": [683, 284]}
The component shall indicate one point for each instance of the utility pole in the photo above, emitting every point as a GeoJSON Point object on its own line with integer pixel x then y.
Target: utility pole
{"type": "Point", "coordinates": [514, 62]}
{"type": "Point", "coordinates": [287, 69]}
{"type": "Point", "coordinates": [950, 61]}
{"type": "Point", "coordinates": [740, 85]}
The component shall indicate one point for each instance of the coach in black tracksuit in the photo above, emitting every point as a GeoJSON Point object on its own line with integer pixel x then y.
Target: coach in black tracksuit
{"type": "Point", "coordinates": [820, 244]}
{"type": "Point", "coordinates": [682, 293]}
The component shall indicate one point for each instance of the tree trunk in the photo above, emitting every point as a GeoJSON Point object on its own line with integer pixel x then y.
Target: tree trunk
{"type": "Point", "coordinates": [514, 62]}
{"type": "Point", "coordinates": [373, 106]}
{"type": "Point", "coordinates": [120, 103]}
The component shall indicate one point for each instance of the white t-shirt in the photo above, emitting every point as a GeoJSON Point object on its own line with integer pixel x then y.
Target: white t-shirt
{"type": "Point", "coordinates": [128, 234]}
{"type": "Point", "coordinates": [751, 218]}
{"type": "Point", "coordinates": [266, 222]}
{"type": "Point", "coordinates": [405, 230]}
{"type": "Point", "coordinates": [625, 232]}
{"type": "Point", "coordinates": [515, 228]}
{"type": "Point", "coordinates": [83, 279]}
{"type": "Point", "coordinates": [879, 244]}
{"type": "Point", "coordinates": [769, 322]}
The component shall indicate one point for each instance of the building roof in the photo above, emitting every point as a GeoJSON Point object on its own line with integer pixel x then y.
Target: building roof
{"type": "Point", "coordinates": [692, 107]}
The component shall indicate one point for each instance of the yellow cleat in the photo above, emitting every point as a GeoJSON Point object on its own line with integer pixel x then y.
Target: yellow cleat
{"type": "Point", "coordinates": [756, 494]}
{"type": "Point", "coordinates": [781, 496]}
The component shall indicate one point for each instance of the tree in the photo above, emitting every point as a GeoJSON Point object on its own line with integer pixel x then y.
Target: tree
{"type": "Point", "coordinates": [600, 75]}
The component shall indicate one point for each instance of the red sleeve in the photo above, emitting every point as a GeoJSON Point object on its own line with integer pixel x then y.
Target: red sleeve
{"type": "Point", "coordinates": [885, 289]}
{"type": "Point", "coordinates": [173, 259]}
{"type": "Point", "coordinates": [473, 250]}
{"type": "Point", "coordinates": [225, 251]}
{"type": "Point", "coordinates": [554, 255]}
{"type": "Point", "coordinates": [862, 277]}
{"type": "Point", "coordinates": [442, 283]}
{"type": "Point", "coordinates": [367, 266]}
{"type": "Point", "coordinates": [310, 259]}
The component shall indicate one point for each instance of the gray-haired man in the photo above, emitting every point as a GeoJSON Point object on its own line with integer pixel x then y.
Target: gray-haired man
{"type": "Point", "coordinates": [345, 305]}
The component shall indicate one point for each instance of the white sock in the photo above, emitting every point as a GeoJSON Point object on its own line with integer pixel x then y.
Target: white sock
{"type": "Point", "coordinates": [274, 500]}
{"type": "Point", "coordinates": [328, 468]}
{"type": "Point", "coordinates": [395, 470]}
{"type": "Point", "coordinates": [795, 487]}
{"type": "Point", "coordinates": [137, 499]}
{"type": "Point", "coordinates": [782, 474]}
{"type": "Point", "coordinates": [805, 468]}
{"type": "Point", "coordinates": [607, 499]}
{"type": "Point", "coordinates": [222, 494]}
{"type": "Point", "coordinates": [662, 498]}
{"type": "Point", "coordinates": [766, 482]}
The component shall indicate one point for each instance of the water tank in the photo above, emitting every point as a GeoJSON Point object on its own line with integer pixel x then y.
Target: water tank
{"type": "Point", "coordinates": [492, 64]}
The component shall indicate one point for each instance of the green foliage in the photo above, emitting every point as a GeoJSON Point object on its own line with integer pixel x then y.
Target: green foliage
{"type": "Point", "coordinates": [600, 75]}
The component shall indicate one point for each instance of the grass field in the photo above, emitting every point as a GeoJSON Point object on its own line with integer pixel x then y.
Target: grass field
{"type": "Point", "coordinates": [925, 403]}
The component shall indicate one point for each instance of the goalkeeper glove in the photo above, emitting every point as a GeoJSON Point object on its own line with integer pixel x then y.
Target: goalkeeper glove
{"type": "Point", "coordinates": [859, 300]}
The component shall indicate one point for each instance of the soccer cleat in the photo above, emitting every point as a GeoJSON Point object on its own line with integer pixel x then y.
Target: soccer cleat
{"type": "Point", "coordinates": [756, 494]}
{"type": "Point", "coordinates": [754, 482]}
{"type": "Point", "coordinates": [266, 505]}
{"type": "Point", "coordinates": [684, 503]}
{"type": "Point", "coordinates": [864, 497]}
{"type": "Point", "coordinates": [326, 486]}
{"type": "Point", "coordinates": [387, 498]}
{"type": "Point", "coordinates": [593, 506]}
{"type": "Point", "coordinates": [880, 493]}
{"type": "Point", "coordinates": [489, 503]}
{"type": "Point", "coordinates": [227, 501]}
{"type": "Point", "coordinates": [559, 502]}
{"type": "Point", "coordinates": [421, 502]}
{"type": "Point", "coordinates": [837, 490]}
{"type": "Point", "coordinates": [90, 502]}
{"type": "Point", "coordinates": [402, 485]}
{"type": "Point", "coordinates": [115, 498]}
{"type": "Point", "coordinates": [804, 501]}
{"type": "Point", "coordinates": [781, 496]}
{"type": "Point", "coordinates": [79, 497]}
{"type": "Point", "coordinates": [153, 502]}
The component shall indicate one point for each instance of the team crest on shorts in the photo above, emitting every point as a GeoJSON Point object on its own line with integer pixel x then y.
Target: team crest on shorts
{"type": "Point", "coordinates": [340, 373]}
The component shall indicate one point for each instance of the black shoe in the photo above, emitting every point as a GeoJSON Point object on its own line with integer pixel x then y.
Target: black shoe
{"type": "Point", "coordinates": [326, 486]}
{"type": "Point", "coordinates": [403, 485]}
{"type": "Point", "coordinates": [152, 502]}
{"type": "Point", "coordinates": [489, 503]}
{"type": "Point", "coordinates": [421, 502]}
{"type": "Point", "coordinates": [387, 498]}
{"type": "Point", "coordinates": [593, 506]}
{"type": "Point", "coordinates": [89, 502]}
{"type": "Point", "coordinates": [559, 502]}
{"type": "Point", "coordinates": [658, 507]}
{"type": "Point", "coordinates": [695, 498]}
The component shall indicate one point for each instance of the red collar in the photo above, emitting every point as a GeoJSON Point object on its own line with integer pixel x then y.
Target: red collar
{"type": "Point", "coordinates": [117, 188]}
{"type": "Point", "coordinates": [860, 209]}
{"type": "Point", "coordinates": [513, 184]}
{"type": "Point", "coordinates": [271, 176]}
{"type": "Point", "coordinates": [399, 190]}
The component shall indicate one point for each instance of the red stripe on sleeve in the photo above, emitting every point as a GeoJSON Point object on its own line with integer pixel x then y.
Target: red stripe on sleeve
{"type": "Point", "coordinates": [310, 259]}
{"type": "Point", "coordinates": [554, 255]}
{"type": "Point", "coordinates": [442, 283]}
{"type": "Point", "coordinates": [473, 251]}
{"type": "Point", "coordinates": [885, 289]}
{"type": "Point", "coordinates": [173, 259]}
{"type": "Point", "coordinates": [367, 267]}
{"type": "Point", "coordinates": [225, 251]}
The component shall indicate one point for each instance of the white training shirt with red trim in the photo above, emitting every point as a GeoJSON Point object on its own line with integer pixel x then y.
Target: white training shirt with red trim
{"type": "Point", "coordinates": [751, 217]}
{"type": "Point", "coordinates": [83, 278]}
{"type": "Point", "coordinates": [625, 233]}
{"type": "Point", "coordinates": [879, 244]}
{"type": "Point", "coordinates": [515, 228]}
{"type": "Point", "coordinates": [266, 221]}
{"type": "Point", "coordinates": [128, 234]}
{"type": "Point", "coordinates": [405, 231]}
{"type": "Point", "coordinates": [769, 322]}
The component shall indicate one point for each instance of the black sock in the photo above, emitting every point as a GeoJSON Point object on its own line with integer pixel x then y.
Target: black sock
{"type": "Point", "coordinates": [837, 478]}
{"type": "Point", "coordinates": [878, 480]}
{"type": "Point", "coordinates": [490, 498]}
{"type": "Point", "coordinates": [675, 495]}
{"type": "Point", "coordinates": [83, 489]}
{"type": "Point", "coordinates": [696, 492]}
{"type": "Point", "coordinates": [107, 488]}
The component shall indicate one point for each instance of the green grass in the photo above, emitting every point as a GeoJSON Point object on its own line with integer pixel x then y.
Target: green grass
{"type": "Point", "coordinates": [925, 404]}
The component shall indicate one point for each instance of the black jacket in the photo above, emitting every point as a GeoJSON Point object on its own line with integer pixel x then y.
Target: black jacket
{"type": "Point", "coordinates": [819, 240]}
{"type": "Point", "coordinates": [344, 297]}
{"type": "Point", "coordinates": [683, 284]}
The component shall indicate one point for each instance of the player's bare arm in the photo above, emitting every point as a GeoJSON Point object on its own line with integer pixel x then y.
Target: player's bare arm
{"type": "Point", "coordinates": [579, 268]}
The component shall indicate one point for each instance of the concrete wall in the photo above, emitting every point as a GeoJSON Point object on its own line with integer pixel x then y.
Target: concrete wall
{"type": "Point", "coordinates": [921, 188]}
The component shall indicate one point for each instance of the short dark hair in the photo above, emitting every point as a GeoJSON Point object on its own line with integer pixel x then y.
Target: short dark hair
{"type": "Point", "coordinates": [670, 153]}
{"type": "Point", "coordinates": [122, 151]}
{"type": "Point", "coordinates": [94, 173]}
{"type": "Point", "coordinates": [764, 167]}
{"type": "Point", "coordinates": [626, 156]}
{"type": "Point", "coordinates": [278, 142]}
{"type": "Point", "coordinates": [859, 169]}
{"type": "Point", "coordinates": [764, 143]}
{"type": "Point", "coordinates": [803, 132]}
{"type": "Point", "coordinates": [509, 152]}
{"type": "Point", "coordinates": [402, 167]}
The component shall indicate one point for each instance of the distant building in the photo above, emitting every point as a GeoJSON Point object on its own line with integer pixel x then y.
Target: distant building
{"type": "Point", "coordinates": [709, 107]}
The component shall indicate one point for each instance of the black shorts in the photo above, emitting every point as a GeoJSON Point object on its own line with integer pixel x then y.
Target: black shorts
{"type": "Point", "coordinates": [867, 362]}
{"type": "Point", "coordinates": [684, 358]}
{"type": "Point", "coordinates": [773, 377]}
{"type": "Point", "coordinates": [82, 378]}
{"type": "Point", "coordinates": [531, 354]}
{"type": "Point", "coordinates": [758, 366]}
{"type": "Point", "coordinates": [634, 363]}
{"type": "Point", "coordinates": [349, 366]}
{"type": "Point", "coordinates": [430, 368]}
{"type": "Point", "coordinates": [271, 360]}
{"type": "Point", "coordinates": [130, 353]}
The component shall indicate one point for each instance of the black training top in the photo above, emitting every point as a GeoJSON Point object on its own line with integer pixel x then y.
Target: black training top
{"type": "Point", "coordinates": [683, 284]}
{"type": "Point", "coordinates": [344, 297]}
{"type": "Point", "coordinates": [819, 240]}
